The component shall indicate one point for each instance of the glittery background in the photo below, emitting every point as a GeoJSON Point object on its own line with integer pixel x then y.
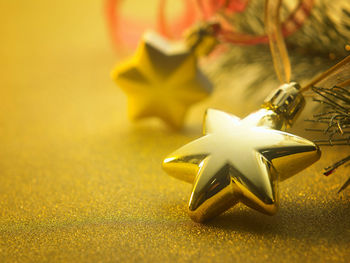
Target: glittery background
{"type": "Point", "coordinates": [78, 182]}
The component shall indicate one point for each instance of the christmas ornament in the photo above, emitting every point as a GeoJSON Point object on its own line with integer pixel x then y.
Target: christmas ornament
{"type": "Point", "coordinates": [162, 79]}
{"type": "Point", "coordinates": [242, 160]}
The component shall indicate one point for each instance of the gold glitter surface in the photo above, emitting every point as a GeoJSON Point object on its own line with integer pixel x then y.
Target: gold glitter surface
{"type": "Point", "coordinates": [79, 183]}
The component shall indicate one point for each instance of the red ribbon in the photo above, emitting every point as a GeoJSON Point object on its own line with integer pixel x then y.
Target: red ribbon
{"type": "Point", "coordinates": [127, 32]}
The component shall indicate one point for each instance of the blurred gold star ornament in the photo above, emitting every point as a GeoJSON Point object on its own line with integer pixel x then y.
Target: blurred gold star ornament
{"type": "Point", "coordinates": [163, 79]}
{"type": "Point", "coordinates": [243, 160]}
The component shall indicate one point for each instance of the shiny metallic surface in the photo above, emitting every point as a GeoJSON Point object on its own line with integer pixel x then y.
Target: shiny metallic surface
{"type": "Point", "coordinates": [239, 161]}
{"type": "Point", "coordinates": [162, 80]}
{"type": "Point", "coordinates": [287, 102]}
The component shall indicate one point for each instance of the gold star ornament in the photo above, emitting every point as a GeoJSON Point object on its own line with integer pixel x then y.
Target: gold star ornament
{"type": "Point", "coordinates": [163, 79]}
{"type": "Point", "coordinates": [243, 160]}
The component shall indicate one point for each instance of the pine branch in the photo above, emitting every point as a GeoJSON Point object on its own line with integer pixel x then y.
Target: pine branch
{"type": "Point", "coordinates": [335, 119]}
{"type": "Point", "coordinates": [312, 49]}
